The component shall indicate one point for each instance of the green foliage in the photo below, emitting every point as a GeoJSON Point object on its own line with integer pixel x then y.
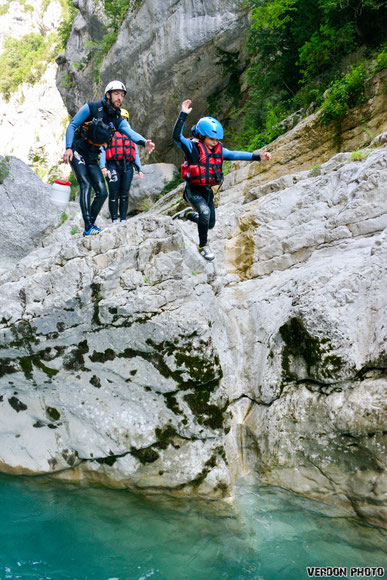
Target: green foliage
{"type": "Point", "coordinates": [68, 14]}
{"type": "Point", "coordinates": [99, 51]}
{"type": "Point", "coordinates": [345, 93]}
{"type": "Point", "coordinates": [296, 49]}
{"type": "Point", "coordinates": [314, 170]}
{"type": "Point", "coordinates": [325, 48]}
{"type": "Point", "coordinates": [73, 231]}
{"type": "Point", "coordinates": [171, 185]}
{"type": "Point", "coordinates": [359, 155]}
{"type": "Point", "coordinates": [24, 60]}
{"type": "Point", "coordinates": [4, 8]}
{"type": "Point", "coordinates": [381, 60]}
{"type": "Point", "coordinates": [63, 218]}
{"type": "Point", "coordinates": [4, 170]}
{"type": "Point", "coordinates": [115, 11]}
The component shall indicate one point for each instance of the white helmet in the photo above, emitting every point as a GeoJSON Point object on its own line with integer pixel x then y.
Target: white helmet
{"type": "Point", "coordinates": [115, 86]}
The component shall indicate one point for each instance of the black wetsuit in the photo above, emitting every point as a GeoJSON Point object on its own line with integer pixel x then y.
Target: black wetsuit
{"type": "Point", "coordinates": [120, 175]}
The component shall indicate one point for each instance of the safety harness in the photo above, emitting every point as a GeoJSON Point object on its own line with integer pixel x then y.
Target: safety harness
{"type": "Point", "coordinates": [208, 170]}
{"type": "Point", "coordinates": [96, 131]}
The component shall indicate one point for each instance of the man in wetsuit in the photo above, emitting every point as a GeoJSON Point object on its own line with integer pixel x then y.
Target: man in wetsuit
{"type": "Point", "coordinates": [92, 127]}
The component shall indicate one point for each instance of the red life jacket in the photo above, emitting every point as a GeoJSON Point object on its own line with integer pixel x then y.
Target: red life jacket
{"type": "Point", "coordinates": [120, 147]}
{"type": "Point", "coordinates": [208, 170]}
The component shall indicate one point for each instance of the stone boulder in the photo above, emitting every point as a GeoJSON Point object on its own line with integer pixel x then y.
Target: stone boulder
{"type": "Point", "coordinates": [27, 211]}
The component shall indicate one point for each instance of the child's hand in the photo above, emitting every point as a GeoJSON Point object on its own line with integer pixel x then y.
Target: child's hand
{"type": "Point", "coordinates": [265, 155]}
{"type": "Point", "coordinates": [104, 171]}
{"type": "Point", "coordinates": [140, 175]}
{"type": "Point", "coordinates": [185, 106]}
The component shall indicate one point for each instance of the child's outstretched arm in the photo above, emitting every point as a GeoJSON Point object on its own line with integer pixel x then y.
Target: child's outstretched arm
{"type": "Point", "coordinates": [185, 144]}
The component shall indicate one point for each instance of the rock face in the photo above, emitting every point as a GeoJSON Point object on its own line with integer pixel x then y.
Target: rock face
{"type": "Point", "coordinates": [33, 121]}
{"type": "Point", "coordinates": [175, 56]}
{"type": "Point", "coordinates": [27, 211]}
{"type": "Point", "coordinates": [129, 360]}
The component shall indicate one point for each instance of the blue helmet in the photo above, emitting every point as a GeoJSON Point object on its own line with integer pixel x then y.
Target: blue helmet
{"type": "Point", "coordinates": [210, 127]}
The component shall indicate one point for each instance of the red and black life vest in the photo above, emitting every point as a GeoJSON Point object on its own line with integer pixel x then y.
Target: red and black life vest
{"type": "Point", "coordinates": [208, 170]}
{"type": "Point", "coordinates": [121, 147]}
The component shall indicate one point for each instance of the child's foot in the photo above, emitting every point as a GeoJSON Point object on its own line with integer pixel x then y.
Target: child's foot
{"type": "Point", "coordinates": [93, 231]}
{"type": "Point", "coordinates": [114, 221]}
{"type": "Point", "coordinates": [207, 253]}
{"type": "Point", "coordinates": [183, 215]}
{"type": "Point", "coordinates": [96, 228]}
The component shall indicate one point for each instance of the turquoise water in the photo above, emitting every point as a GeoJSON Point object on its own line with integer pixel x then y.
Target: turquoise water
{"type": "Point", "coordinates": [56, 531]}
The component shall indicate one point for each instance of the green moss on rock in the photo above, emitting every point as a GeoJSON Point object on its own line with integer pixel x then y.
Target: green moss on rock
{"type": "Point", "coordinates": [165, 436]}
{"type": "Point", "coordinates": [145, 455]}
{"type": "Point", "coordinates": [300, 344]}
{"type": "Point", "coordinates": [53, 413]}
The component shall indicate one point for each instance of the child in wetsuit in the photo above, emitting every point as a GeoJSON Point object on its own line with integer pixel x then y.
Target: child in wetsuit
{"type": "Point", "coordinates": [204, 155]}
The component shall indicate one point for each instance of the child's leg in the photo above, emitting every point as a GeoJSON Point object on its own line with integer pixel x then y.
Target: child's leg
{"type": "Point", "coordinates": [126, 181]}
{"type": "Point", "coordinates": [114, 189]}
{"type": "Point", "coordinates": [211, 205]}
{"type": "Point", "coordinates": [203, 215]}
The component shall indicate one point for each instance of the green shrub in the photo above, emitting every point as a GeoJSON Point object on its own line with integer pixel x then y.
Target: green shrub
{"type": "Point", "coordinates": [24, 60]}
{"type": "Point", "coordinates": [4, 8]}
{"type": "Point", "coordinates": [359, 155]}
{"type": "Point", "coordinates": [4, 170]}
{"type": "Point", "coordinates": [68, 14]}
{"type": "Point", "coordinates": [345, 93]}
{"type": "Point", "coordinates": [171, 185]}
{"type": "Point", "coordinates": [295, 51]}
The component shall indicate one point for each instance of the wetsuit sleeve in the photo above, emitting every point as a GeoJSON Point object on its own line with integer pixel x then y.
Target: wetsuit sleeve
{"type": "Point", "coordinates": [102, 157]}
{"type": "Point", "coordinates": [137, 161]}
{"type": "Point", "coordinates": [240, 155]}
{"type": "Point", "coordinates": [76, 121]}
{"type": "Point", "coordinates": [125, 128]}
{"type": "Point", "coordinates": [186, 145]}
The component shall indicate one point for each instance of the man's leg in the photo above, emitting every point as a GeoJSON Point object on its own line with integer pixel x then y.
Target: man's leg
{"type": "Point", "coordinates": [78, 165]}
{"type": "Point", "coordinates": [98, 183]}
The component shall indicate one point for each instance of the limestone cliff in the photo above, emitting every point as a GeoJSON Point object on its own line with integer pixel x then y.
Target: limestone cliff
{"type": "Point", "coordinates": [129, 360]}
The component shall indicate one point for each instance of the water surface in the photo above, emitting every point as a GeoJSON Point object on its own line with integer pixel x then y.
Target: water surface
{"type": "Point", "coordinates": [56, 531]}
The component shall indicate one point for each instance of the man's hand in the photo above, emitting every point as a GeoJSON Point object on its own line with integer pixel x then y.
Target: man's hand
{"type": "Point", "coordinates": [104, 171]}
{"type": "Point", "coordinates": [149, 145]}
{"type": "Point", "coordinates": [186, 106]}
{"type": "Point", "coordinates": [265, 155]}
{"type": "Point", "coordinates": [140, 175]}
{"type": "Point", "coordinates": [68, 155]}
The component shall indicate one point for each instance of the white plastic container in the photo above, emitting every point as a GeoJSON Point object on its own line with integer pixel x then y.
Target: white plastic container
{"type": "Point", "coordinates": [60, 193]}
